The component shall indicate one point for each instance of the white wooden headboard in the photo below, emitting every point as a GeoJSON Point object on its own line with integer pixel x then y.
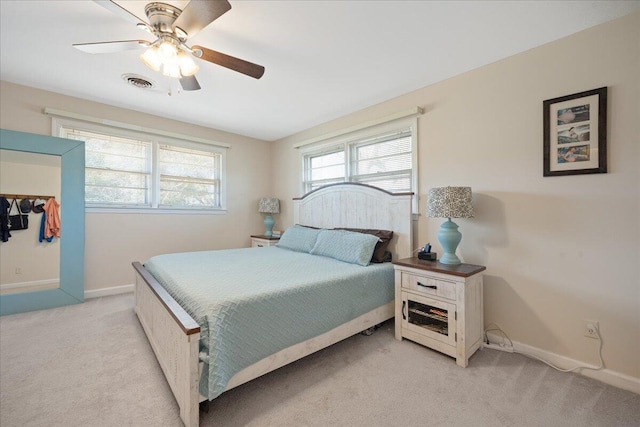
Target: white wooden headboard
{"type": "Point", "coordinates": [359, 206]}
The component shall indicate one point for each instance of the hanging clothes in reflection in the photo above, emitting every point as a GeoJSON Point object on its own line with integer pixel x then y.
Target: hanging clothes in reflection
{"type": "Point", "coordinates": [43, 223]}
{"type": "Point", "coordinates": [4, 219]}
{"type": "Point", "coordinates": [38, 208]}
{"type": "Point", "coordinates": [51, 219]}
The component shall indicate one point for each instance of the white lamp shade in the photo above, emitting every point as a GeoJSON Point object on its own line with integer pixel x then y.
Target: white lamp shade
{"type": "Point", "coordinates": [171, 69]}
{"type": "Point", "coordinates": [187, 66]}
{"type": "Point", "coordinates": [167, 52]}
{"type": "Point", "coordinates": [174, 62]}
{"type": "Point", "coordinates": [449, 202]}
{"type": "Point", "coordinates": [269, 205]}
{"type": "Point", "coordinates": [151, 59]}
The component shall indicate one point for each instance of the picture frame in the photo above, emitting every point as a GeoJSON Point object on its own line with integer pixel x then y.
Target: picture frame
{"type": "Point", "coordinates": [575, 133]}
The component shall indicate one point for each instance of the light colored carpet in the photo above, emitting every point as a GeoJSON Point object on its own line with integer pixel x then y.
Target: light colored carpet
{"type": "Point", "coordinates": [91, 365]}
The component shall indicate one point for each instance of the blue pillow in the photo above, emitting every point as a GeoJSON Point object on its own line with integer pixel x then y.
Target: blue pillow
{"type": "Point", "coordinates": [347, 246]}
{"type": "Point", "coordinates": [298, 238]}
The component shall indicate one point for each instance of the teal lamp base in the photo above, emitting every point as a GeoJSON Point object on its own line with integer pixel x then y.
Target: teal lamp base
{"type": "Point", "coordinates": [449, 238]}
{"type": "Point", "coordinates": [268, 225]}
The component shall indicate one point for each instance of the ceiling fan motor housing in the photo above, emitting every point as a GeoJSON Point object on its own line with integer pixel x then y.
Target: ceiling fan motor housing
{"type": "Point", "coordinates": [162, 16]}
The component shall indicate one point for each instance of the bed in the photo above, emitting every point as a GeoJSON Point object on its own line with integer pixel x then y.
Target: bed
{"type": "Point", "coordinates": [203, 343]}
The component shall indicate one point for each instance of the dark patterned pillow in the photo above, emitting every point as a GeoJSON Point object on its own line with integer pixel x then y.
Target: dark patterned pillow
{"type": "Point", "coordinates": [380, 253]}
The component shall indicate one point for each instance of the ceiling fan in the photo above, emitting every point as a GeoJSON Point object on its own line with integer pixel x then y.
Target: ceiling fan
{"type": "Point", "coordinates": [172, 28]}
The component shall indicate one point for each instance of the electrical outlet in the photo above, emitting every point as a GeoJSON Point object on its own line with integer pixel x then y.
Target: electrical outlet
{"type": "Point", "coordinates": [591, 328]}
{"type": "Point", "coordinates": [18, 270]}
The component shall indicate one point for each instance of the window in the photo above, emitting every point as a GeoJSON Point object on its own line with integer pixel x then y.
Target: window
{"type": "Point", "coordinates": [325, 168]}
{"type": "Point", "coordinates": [378, 158]}
{"type": "Point", "coordinates": [133, 170]}
{"type": "Point", "coordinates": [384, 162]}
{"type": "Point", "coordinates": [188, 177]}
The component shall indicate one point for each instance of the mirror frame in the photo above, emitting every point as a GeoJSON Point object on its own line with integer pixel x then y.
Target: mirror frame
{"type": "Point", "coordinates": [71, 290]}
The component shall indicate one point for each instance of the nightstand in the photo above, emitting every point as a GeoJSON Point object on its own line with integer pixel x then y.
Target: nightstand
{"type": "Point", "coordinates": [440, 306]}
{"type": "Point", "coordinates": [260, 241]}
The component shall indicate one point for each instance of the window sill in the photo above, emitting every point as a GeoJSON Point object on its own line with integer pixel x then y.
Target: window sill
{"type": "Point", "coordinates": [156, 211]}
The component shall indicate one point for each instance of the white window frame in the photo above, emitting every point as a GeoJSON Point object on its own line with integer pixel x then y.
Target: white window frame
{"type": "Point", "coordinates": [346, 140]}
{"type": "Point", "coordinates": [59, 124]}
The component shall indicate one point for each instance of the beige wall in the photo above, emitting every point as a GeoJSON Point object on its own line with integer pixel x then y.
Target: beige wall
{"type": "Point", "coordinates": [559, 249]}
{"type": "Point", "coordinates": [113, 241]}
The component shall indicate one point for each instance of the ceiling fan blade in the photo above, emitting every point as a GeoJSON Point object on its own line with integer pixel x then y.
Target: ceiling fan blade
{"type": "Point", "coordinates": [189, 83]}
{"type": "Point", "coordinates": [120, 11]}
{"type": "Point", "coordinates": [236, 64]}
{"type": "Point", "coordinates": [198, 14]}
{"type": "Point", "coordinates": [111, 47]}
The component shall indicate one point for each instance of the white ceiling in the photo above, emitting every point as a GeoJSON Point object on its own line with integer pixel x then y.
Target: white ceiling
{"type": "Point", "coordinates": [323, 59]}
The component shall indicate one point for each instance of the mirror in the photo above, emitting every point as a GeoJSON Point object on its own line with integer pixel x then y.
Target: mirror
{"type": "Point", "coordinates": [71, 286]}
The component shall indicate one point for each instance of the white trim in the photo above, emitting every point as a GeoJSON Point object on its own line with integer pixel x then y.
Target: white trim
{"type": "Point", "coordinates": [34, 283]}
{"type": "Point", "coordinates": [607, 376]}
{"type": "Point", "coordinates": [415, 209]}
{"type": "Point", "coordinates": [105, 292]}
{"type": "Point", "coordinates": [155, 177]}
{"type": "Point", "coordinates": [413, 112]}
{"type": "Point", "coordinates": [128, 210]}
{"type": "Point", "coordinates": [112, 123]}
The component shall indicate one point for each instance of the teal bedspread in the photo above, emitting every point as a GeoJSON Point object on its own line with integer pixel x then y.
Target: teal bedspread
{"type": "Point", "coordinates": [253, 302]}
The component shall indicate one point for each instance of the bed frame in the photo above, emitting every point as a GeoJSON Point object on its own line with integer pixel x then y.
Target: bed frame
{"type": "Point", "coordinates": [174, 335]}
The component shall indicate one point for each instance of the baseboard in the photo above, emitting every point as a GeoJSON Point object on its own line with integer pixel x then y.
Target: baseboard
{"type": "Point", "coordinates": [607, 376]}
{"type": "Point", "coordinates": [34, 283]}
{"type": "Point", "coordinates": [105, 292]}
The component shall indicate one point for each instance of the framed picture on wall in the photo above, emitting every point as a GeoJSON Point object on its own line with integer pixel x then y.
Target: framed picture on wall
{"type": "Point", "coordinates": [575, 133]}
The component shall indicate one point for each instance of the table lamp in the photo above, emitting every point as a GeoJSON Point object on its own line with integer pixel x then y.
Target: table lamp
{"type": "Point", "coordinates": [269, 205]}
{"type": "Point", "coordinates": [449, 202]}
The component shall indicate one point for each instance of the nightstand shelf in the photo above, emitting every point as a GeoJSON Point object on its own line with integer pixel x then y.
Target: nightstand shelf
{"type": "Point", "coordinates": [260, 241]}
{"type": "Point", "coordinates": [440, 306]}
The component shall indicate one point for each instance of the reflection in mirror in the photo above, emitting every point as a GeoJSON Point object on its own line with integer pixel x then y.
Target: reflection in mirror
{"type": "Point", "coordinates": [28, 264]}
{"type": "Point", "coordinates": [71, 252]}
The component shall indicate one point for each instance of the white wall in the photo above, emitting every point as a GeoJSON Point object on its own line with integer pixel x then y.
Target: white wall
{"type": "Point", "coordinates": [557, 249]}
{"type": "Point", "coordinates": [113, 241]}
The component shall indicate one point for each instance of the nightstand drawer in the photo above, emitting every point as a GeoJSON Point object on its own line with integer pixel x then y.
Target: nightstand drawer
{"type": "Point", "coordinates": [429, 285]}
{"type": "Point", "coordinates": [263, 241]}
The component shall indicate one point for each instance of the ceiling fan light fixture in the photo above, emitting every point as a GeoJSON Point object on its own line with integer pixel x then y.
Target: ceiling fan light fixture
{"type": "Point", "coordinates": [167, 52]}
{"type": "Point", "coordinates": [172, 27]}
{"type": "Point", "coordinates": [187, 66]}
{"type": "Point", "coordinates": [171, 69]}
{"type": "Point", "coordinates": [151, 59]}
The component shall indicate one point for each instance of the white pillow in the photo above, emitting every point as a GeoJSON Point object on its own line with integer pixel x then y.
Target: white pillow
{"type": "Point", "coordinates": [347, 246]}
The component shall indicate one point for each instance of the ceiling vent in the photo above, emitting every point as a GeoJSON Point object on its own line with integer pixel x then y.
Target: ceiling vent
{"type": "Point", "coordinates": [138, 81]}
